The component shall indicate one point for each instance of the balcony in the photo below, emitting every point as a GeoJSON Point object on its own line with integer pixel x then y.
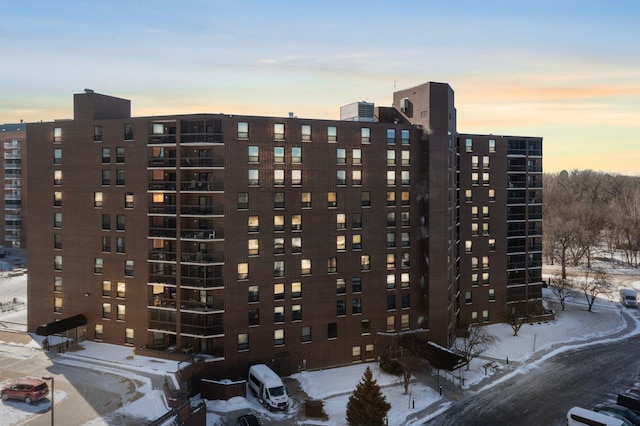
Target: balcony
{"type": "Point", "coordinates": [198, 210]}
{"type": "Point", "coordinates": [162, 209]}
{"type": "Point", "coordinates": [214, 257]}
{"type": "Point", "coordinates": [200, 162]}
{"type": "Point", "coordinates": [162, 162]}
{"type": "Point", "coordinates": [162, 232]}
{"type": "Point", "coordinates": [162, 185]}
{"type": "Point", "coordinates": [163, 255]}
{"type": "Point", "coordinates": [195, 185]}
{"type": "Point", "coordinates": [202, 234]}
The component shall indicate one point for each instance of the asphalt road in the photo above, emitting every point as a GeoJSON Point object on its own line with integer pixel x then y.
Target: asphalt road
{"type": "Point", "coordinates": [543, 394]}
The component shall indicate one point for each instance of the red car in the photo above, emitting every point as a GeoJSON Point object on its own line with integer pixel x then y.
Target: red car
{"type": "Point", "coordinates": [27, 390]}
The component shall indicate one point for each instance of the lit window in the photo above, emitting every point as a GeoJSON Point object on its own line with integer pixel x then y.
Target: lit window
{"type": "Point", "coordinates": [128, 200]}
{"type": "Point", "coordinates": [296, 222]}
{"type": "Point", "coordinates": [485, 178]}
{"type": "Point", "coordinates": [492, 244]}
{"type": "Point", "coordinates": [243, 271]}
{"type": "Point", "coordinates": [474, 279]}
{"type": "Point", "coordinates": [474, 212]}
{"type": "Point", "coordinates": [106, 310]}
{"type": "Point", "coordinates": [341, 221]}
{"type": "Point", "coordinates": [253, 223]}
{"type": "Point", "coordinates": [305, 266]}
{"type": "Point", "coordinates": [121, 290]}
{"type": "Point", "coordinates": [278, 223]}
{"type": "Point", "coordinates": [485, 162]}
{"type": "Point", "coordinates": [128, 336]}
{"type": "Point", "coordinates": [254, 177]}
{"type": "Point", "coordinates": [365, 263]}
{"type": "Point", "coordinates": [278, 337]}
{"type": "Point", "coordinates": [485, 229]}
{"type": "Point", "coordinates": [278, 291]}
{"type": "Point", "coordinates": [57, 198]}
{"type": "Point", "coordinates": [356, 242]}
{"type": "Point", "coordinates": [296, 290]}
{"type": "Point", "coordinates": [355, 353]}
{"type": "Point", "coordinates": [404, 280]}
{"type": "Point", "coordinates": [405, 177]}
{"type": "Point", "coordinates": [474, 178]}
{"type": "Point", "coordinates": [278, 245]}
{"type": "Point", "coordinates": [332, 199]}
{"type": "Point", "coordinates": [391, 281]}
{"type": "Point", "coordinates": [474, 262]}
{"type": "Point", "coordinates": [278, 131]}
{"type": "Point", "coordinates": [57, 304]}
{"type": "Point", "coordinates": [485, 211]}
{"type": "Point", "coordinates": [341, 286]}
{"type": "Point", "coordinates": [341, 243]}
{"type": "Point", "coordinates": [356, 177]}
{"type": "Point", "coordinates": [253, 247]}
{"type": "Point", "coordinates": [296, 177]}
{"type": "Point", "coordinates": [391, 323]}
{"type": "Point", "coordinates": [468, 195]}
{"type": "Point", "coordinates": [306, 200]}
{"type": "Point", "coordinates": [278, 314]}
{"type": "Point", "coordinates": [106, 288]}
{"type": "Point", "coordinates": [243, 342]}
{"type": "Point", "coordinates": [406, 200]}
{"type": "Point", "coordinates": [391, 261]}
{"type": "Point", "coordinates": [474, 229]}
{"type": "Point", "coordinates": [357, 157]}
{"type": "Point", "coordinates": [57, 284]}
{"type": "Point", "coordinates": [492, 195]}
{"type": "Point", "coordinates": [97, 199]}
{"type": "Point", "coordinates": [391, 178]}
{"type": "Point", "coordinates": [121, 312]}
{"type": "Point", "coordinates": [296, 245]}
{"type": "Point", "coordinates": [391, 198]}
{"type": "Point", "coordinates": [278, 177]}
{"type": "Point", "coordinates": [57, 177]}
{"type": "Point", "coordinates": [485, 262]}
{"type": "Point", "coordinates": [485, 315]}
{"type": "Point", "coordinates": [391, 158]}
{"type": "Point", "coordinates": [468, 246]}
{"type": "Point", "coordinates": [485, 278]}
{"type": "Point", "coordinates": [404, 321]}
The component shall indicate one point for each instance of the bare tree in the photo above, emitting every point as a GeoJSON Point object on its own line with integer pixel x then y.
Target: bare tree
{"type": "Point", "coordinates": [476, 343]}
{"type": "Point", "coordinates": [595, 283]}
{"type": "Point", "coordinates": [411, 357]}
{"type": "Point", "coordinates": [516, 316]}
{"type": "Point", "coordinates": [562, 288]}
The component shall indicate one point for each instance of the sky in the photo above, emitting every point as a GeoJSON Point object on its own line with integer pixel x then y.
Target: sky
{"type": "Point", "coordinates": [564, 70]}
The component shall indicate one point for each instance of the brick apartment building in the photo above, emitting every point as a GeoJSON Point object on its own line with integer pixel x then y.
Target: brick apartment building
{"type": "Point", "coordinates": [301, 243]}
{"type": "Point", "coordinates": [12, 138]}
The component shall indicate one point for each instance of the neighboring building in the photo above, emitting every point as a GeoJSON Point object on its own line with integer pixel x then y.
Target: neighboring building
{"type": "Point", "coordinates": [301, 243]}
{"type": "Point", "coordinates": [12, 138]}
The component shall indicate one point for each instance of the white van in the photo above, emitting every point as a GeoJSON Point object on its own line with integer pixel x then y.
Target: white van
{"type": "Point", "coordinates": [629, 297]}
{"type": "Point", "coordinates": [578, 416]}
{"type": "Point", "coordinates": [267, 386]}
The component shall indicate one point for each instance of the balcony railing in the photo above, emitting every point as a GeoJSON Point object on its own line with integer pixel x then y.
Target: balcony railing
{"type": "Point", "coordinates": [162, 232]}
{"type": "Point", "coordinates": [203, 234]}
{"type": "Point", "coordinates": [202, 186]}
{"type": "Point", "coordinates": [202, 210]}
{"type": "Point", "coordinates": [162, 185]}
{"type": "Point", "coordinates": [201, 162]}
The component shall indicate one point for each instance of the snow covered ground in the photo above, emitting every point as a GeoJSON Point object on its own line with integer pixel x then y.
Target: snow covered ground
{"type": "Point", "coordinates": [534, 343]}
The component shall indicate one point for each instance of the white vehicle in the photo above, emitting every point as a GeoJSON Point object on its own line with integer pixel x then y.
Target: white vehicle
{"type": "Point", "coordinates": [578, 416]}
{"type": "Point", "coordinates": [629, 297]}
{"type": "Point", "coordinates": [267, 386]}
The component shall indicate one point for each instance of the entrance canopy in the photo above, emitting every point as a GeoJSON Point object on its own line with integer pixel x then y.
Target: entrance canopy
{"type": "Point", "coordinates": [443, 358]}
{"type": "Point", "coordinates": [62, 325]}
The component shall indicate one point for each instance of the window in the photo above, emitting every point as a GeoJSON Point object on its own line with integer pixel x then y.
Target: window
{"type": "Point", "coordinates": [57, 198]}
{"type": "Point", "coordinates": [128, 132]}
{"type": "Point", "coordinates": [243, 200]}
{"type": "Point", "coordinates": [120, 222]}
{"type": "Point", "coordinates": [57, 177]}
{"type": "Point", "coordinates": [391, 136]}
{"type": "Point", "coordinates": [365, 327]}
{"type": "Point", "coordinates": [97, 199]}
{"type": "Point", "coordinates": [296, 177]}
{"type": "Point", "coordinates": [254, 179]}
{"type": "Point", "coordinates": [57, 284]}
{"type": "Point", "coordinates": [485, 315]}
{"type": "Point", "coordinates": [106, 244]}
{"type": "Point", "coordinates": [253, 247]}
{"type": "Point", "coordinates": [57, 135]}
{"type": "Point", "coordinates": [474, 262]}
{"type": "Point", "coordinates": [365, 263]}
{"type": "Point", "coordinates": [341, 243]}
{"type": "Point", "coordinates": [57, 262]}
{"type": "Point", "coordinates": [391, 281]}
{"type": "Point", "coordinates": [391, 157]}
{"type": "Point", "coordinates": [404, 280]}
{"type": "Point", "coordinates": [391, 302]}
{"type": "Point", "coordinates": [243, 130]}
{"type": "Point", "coordinates": [405, 136]}
{"type": "Point", "coordinates": [485, 179]}
{"type": "Point", "coordinates": [254, 317]}
{"type": "Point", "coordinates": [391, 178]}
{"type": "Point", "coordinates": [468, 246]}
{"type": "Point", "coordinates": [296, 222]}
{"type": "Point", "coordinates": [356, 159]}
{"type": "Point", "coordinates": [391, 261]}
{"type": "Point", "coordinates": [391, 198]}
{"type": "Point", "coordinates": [57, 156]}
{"type": "Point", "coordinates": [474, 178]}
{"type": "Point", "coordinates": [474, 212]}
{"type": "Point", "coordinates": [405, 263]}
{"type": "Point", "coordinates": [341, 221]}
{"type": "Point", "coordinates": [278, 177]}
{"type": "Point", "coordinates": [365, 135]}
{"type": "Point", "coordinates": [278, 291]}
{"type": "Point", "coordinates": [305, 132]}
{"type": "Point", "coordinates": [278, 154]}
{"type": "Point", "coordinates": [254, 293]}
{"type": "Point", "coordinates": [332, 199]}
{"type": "Point", "coordinates": [365, 199]}
{"type": "Point", "coordinates": [356, 221]}
{"type": "Point", "coordinates": [406, 158]}
{"type": "Point", "coordinates": [278, 223]}
{"type": "Point", "coordinates": [391, 323]}
{"type": "Point", "coordinates": [404, 321]}
{"type": "Point", "coordinates": [341, 177]}
{"type": "Point", "coordinates": [243, 271]}
{"type": "Point", "coordinates": [485, 211]}
{"type": "Point", "coordinates": [404, 240]}
{"type": "Point", "coordinates": [485, 229]}
{"type": "Point", "coordinates": [492, 145]}
{"type": "Point", "coordinates": [391, 219]}
{"type": "Point", "coordinates": [97, 133]}
{"type": "Point", "coordinates": [391, 240]}
{"type": "Point", "coordinates": [405, 177]}
{"type": "Point", "coordinates": [121, 290]}
{"type": "Point", "coordinates": [120, 155]}
{"type": "Point", "coordinates": [98, 265]}
{"type": "Point", "coordinates": [305, 333]}
{"type": "Point", "coordinates": [356, 353]}
{"type": "Point", "coordinates": [485, 162]}
{"type": "Point", "coordinates": [243, 342]}
{"type": "Point", "coordinates": [128, 336]}
{"type": "Point", "coordinates": [296, 312]}
{"type": "Point", "coordinates": [305, 266]}
{"type": "Point", "coordinates": [405, 199]}
{"type": "Point", "coordinates": [106, 155]}
{"type": "Point", "coordinates": [341, 156]}
{"type": "Point", "coordinates": [492, 295]}
{"type": "Point", "coordinates": [332, 135]}
{"type": "Point", "coordinates": [254, 154]}
{"type": "Point", "coordinates": [306, 200]}
{"type": "Point", "coordinates": [98, 331]}
{"type": "Point", "coordinates": [57, 304]}
{"type": "Point", "coordinates": [356, 177]}
{"type": "Point", "coordinates": [356, 284]}
{"type": "Point", "coordinates": [106, 177]}
{"type": "Point", "coordinates": [296, 155]}
{"type": "Point", "coordinates": [278, 314]}
{"type": "Point", "coordinates": [341, 308]}
{"type": "Point", "coordinates": [278, 131]}
{"type": "Point", "coordinates": [332, 330]}
{"type": "Point", "coordinates": [485, 278]}
{"type": "Point", "coordinates": [468, 195]}
{"type": "Point", "coordinates": [278, 337]}
{"type": "Point", "coordinates": [341, 286]}
{"type": "Point", "coordinates": [278, 200]}
{"type": "Point", "coordinates": [492, 244]}
{"type": "Point", "coordinates": [278, 246]}
{"type": "Point", "coordinates": [485, 262]}
{"type": "Point", "coordinates": [253, 224]}
{"type": "Point", "coordinates": [356, 242]}
{"type": "Point", "coordinates": [278, 268]}
{"type": "Point", "coordinates": [492, 195]}
{"type": "Point", "coordinates": [57, 220]}
{"type": "Point", "coordinates": [106, 310]}
{"type": "Point", "coordinates": [405, 301]}
{"type": "Point", "coordinates": [468, 143]}
{"type": "Point", "coordinates": [296, 290]}
{"type": "Point", "coordinates": [296, 245]}
{"type": "Point", "coordinates": [332, 265]}
{"type": "Point", "coordinates": [121, 313]}
{"type": "Point", "coordinates": [128, 200]}
{"type": "Point", "coordinates": [474, 229]}
{"type": "Point", "coordinates": [474, 161]}
{"type": "Point", "coordinates": [128, 268]}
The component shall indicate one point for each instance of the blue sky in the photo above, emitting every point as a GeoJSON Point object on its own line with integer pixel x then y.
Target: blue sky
{"type": "Point", "coordinates": [568, 71]}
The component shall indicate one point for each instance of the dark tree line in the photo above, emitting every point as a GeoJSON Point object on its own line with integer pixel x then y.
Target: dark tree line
{"type": "Point", "coordinates": [586, 211]}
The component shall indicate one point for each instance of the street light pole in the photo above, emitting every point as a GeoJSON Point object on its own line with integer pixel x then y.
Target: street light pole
{"type": "Point", "coordinates": [52, 391]}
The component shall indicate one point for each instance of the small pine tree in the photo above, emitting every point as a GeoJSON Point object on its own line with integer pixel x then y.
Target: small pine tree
{"type": "Point", "coordinates": [367, 406]}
